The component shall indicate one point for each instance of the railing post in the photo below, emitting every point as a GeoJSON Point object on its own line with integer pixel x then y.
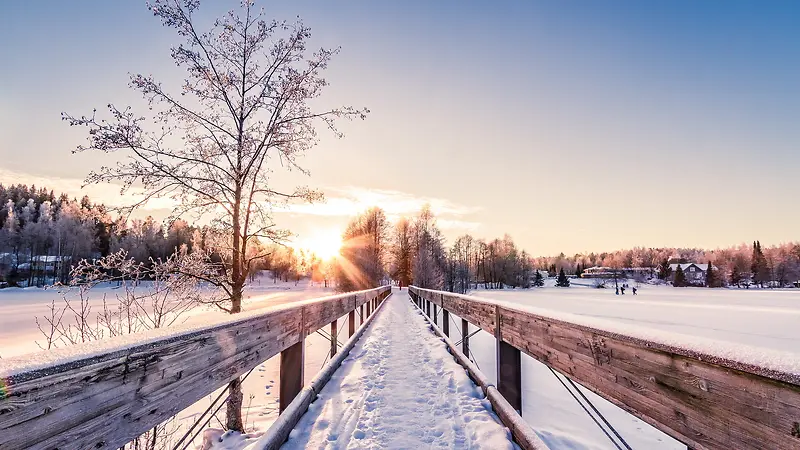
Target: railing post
{"type": "Point", "coordinates": [509, 367]}
{"type": "Point", "coordinates": [446, 322]}
{"type": "Point", "coordinates": [362, 313]}
{"type": "Point", "coordinates": [334, 341]}
{"type": "Point", "coordinates": [435, 313]}
{"type": "Point", "coordinates": [351, 323]}
{"type": "Point", "coordinates": [428, 303]}
{"type": "Point", "coordinates": [291, 373]}
{"type": "Point", "coordinates": [465, 337]}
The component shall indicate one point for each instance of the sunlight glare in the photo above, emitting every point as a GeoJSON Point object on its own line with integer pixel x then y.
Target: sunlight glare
{"type": "Point", "coordinates": [325, 244]}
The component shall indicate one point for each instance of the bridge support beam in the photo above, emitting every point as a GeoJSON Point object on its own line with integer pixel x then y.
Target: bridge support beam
{"type": "Point", "coordinates": [334, 340]}
{"type": "Point", "coordinates": [446, 322]}
{"type": "Point", "coordinates": [465, 337]}
{"type": "Point", "coordinates": [509, 374]}
{"type": "Point", "coordinates": [291, 373]}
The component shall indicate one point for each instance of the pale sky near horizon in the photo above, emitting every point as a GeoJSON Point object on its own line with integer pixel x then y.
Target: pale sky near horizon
{"type": "Point", "coordinates": [573, 126]}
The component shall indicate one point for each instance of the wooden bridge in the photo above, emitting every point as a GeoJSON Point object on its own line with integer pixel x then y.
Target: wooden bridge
{"type": "Point", "coordinates": [107, 399]}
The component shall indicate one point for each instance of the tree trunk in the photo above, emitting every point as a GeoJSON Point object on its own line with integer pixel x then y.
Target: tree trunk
{"type": "Point", "coordinates": [235, 400]}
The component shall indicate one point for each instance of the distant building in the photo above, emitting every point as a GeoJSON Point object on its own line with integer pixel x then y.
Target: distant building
{"type": "Point", "coordinates": [693, 272]}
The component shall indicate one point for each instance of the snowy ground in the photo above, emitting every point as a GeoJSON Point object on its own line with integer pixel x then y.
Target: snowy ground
{"type": "Point", "coordinates": [401, 389]}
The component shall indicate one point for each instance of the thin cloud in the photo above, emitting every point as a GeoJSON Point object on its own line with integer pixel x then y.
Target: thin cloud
{"type": "Point", "coordinates": [351, 200]}
{"type": "Point", "coordinates": [107, 194]}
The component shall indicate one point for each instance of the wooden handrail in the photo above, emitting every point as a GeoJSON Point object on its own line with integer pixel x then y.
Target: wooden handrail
{"type": "Point", "coordinates": [108, 399]}
{"type": "Point", "coordinates": [703, 400]}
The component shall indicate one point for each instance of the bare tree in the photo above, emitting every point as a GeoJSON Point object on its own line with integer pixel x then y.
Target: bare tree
{"type": "Point", "coordinates": [211, 146]}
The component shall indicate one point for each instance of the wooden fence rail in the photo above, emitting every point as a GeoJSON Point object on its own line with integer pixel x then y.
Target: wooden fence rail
{"type": "Point", "coordinates": [702, 400]}
{"type": "Point", "coordinates": [107, 400]}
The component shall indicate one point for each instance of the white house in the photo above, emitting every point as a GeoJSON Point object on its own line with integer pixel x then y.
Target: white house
{"type": "Point", "coordinates": [693, 272]}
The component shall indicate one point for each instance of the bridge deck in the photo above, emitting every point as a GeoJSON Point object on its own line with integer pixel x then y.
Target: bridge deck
{"type": "Point", "coordinates": [399, 388]}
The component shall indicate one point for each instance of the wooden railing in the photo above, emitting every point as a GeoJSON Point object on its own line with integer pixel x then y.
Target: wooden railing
{"type": "Point", "coordinates": [702, 400]}
{"type": "Point", "coordinates": [107, 400]}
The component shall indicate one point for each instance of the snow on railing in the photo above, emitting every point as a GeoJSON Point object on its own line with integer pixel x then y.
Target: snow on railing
{"type": "Point", "coordinates": [105, 394]}
{"type": "Point", "coordinates": [704, 393]}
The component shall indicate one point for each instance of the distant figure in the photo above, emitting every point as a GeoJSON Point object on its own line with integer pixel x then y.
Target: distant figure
{"type": "Point", "coordinates": [623, 290]}
{"type": "Point", "coordinates": [634, 290]}
{"type": "Point", "coordinates": [617, 293]}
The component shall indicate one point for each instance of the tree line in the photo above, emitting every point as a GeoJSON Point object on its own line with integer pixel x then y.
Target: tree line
{"type": "Point", "coordinates": [43, 236]}
{"type": "Point", "coordinates": [741, 265]}
{"type": "Point", "coordinates": [413, 251]}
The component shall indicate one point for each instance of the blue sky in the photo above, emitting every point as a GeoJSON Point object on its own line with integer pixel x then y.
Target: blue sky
{"type": "Point", "coordinates": [573, 126]}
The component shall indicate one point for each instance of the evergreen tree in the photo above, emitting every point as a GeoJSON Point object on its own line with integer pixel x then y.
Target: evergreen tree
{"type": "Point", "coordinates": [538, 279]}
{"type": "Point", "coordinates": [578, 270]}
{"type": "Point", "coordinates": [562, 280]}
{"type": "Point", "coordinates": [664, 271]}
{"type": "Point", "coordinates": [680, 278]}
{"type": "Point", "coordinates": [711, 277]}
{"type": "Point", "coordinates": [758, 265]}
{"type": "Point", "coordinates": [736, 276]}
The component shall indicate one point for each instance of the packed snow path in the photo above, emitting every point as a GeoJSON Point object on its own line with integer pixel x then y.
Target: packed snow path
{"type": "Point", "coordinates": [400, 388]}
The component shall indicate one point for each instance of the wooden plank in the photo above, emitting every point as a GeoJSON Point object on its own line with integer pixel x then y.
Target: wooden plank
{"type": "Point", "coordinates": [509, 374]}
{"type": "Point", "coordinates": [291, 374]}
{"type": "Point", "coordinates": [322, 313]}
{"type": "Point", "coordinates": [351, 323]}
{"type": "Point", "coordinates": [334, 338]}
{"type": "Point", "coordinates": [110, 399]}
{"type": "Point", "coordinates": [465, 337]}
{"type": "Point", "coordinates": [718, 405]}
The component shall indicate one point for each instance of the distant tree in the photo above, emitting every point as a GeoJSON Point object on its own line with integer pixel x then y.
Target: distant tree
{"type": "Point", "coordinates": [711, 277]}
{"type": "Point", "coordinates": [578, 270]}
{"type": "Point", "coordinates": [430, 259]}
{"type": "Point", "coordinates": [402, 252]}
{"type": "Point", "coordinates": [365, 244]}
{"type": "Point", "coordinates": [759, 266]}
{"type": "Point", "coordinates": [562, 280]}
{"type": "Point", "coordinates": [736, 277]}
{"type": "Point", "coordinates": [538, 279]}
{"type": "Point", "coordinates": [680, 277]}
{"type": "Point", "coordinates": [664, 271]}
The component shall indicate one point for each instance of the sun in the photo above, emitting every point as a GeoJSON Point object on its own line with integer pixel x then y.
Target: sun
{"type": "Point", "coordinates": [325, 244]}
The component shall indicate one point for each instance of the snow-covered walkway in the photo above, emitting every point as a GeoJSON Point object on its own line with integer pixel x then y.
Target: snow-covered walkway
{"type": "Point", "coordinates": [400, 388]}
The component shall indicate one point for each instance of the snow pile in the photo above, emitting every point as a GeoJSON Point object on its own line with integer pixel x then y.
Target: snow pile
{"type": "Point", "coordinates": [399, 388]}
